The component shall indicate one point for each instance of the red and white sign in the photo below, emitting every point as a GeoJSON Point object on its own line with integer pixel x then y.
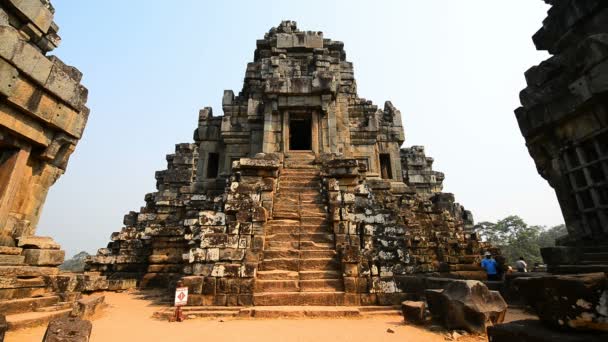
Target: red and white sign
{"type": "Point", "coordinates": [181, 296]}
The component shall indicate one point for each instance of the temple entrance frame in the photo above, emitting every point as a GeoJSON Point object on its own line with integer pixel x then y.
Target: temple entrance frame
{"type": "Point", "coordinates": [302, 119]}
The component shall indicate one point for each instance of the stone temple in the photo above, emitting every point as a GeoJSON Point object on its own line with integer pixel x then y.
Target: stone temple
{"type": "Point", "coordinates": [300, 194]}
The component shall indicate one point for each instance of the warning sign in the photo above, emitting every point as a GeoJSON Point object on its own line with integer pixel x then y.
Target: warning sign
{"type": "Point", "coordinates": [181, 296]}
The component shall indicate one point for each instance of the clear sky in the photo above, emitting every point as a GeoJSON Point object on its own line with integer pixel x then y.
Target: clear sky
{"type": "Point", "coordinates": [453, 68]}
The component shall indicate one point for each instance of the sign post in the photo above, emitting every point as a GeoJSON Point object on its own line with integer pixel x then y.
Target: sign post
{"type": "Point", "coordinates": [181, 299]}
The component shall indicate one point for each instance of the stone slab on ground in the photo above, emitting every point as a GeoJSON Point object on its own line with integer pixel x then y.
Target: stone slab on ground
{"type": "Point", "coordinates": [535, 331]}
{"type": "Point", "coordinates": [71, 329]}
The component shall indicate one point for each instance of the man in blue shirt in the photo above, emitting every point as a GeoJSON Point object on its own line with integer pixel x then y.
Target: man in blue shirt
{"type": "Point", "coordinates": [489, 264]}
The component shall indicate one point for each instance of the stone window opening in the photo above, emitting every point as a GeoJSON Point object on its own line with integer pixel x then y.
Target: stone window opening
{"type": "Point", "coordinates": [385, 166]}
{"type": "Point", "coordinates": [213, 164]}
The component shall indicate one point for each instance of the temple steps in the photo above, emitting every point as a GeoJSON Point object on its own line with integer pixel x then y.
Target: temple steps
{"type": "Point", "coordinates": [277, 275]}
{"type": "Point", "coordinates": [290, 311]}
{"type": "Point", "coordinates": [32, 319]}
{"type": "Point", "coordinates": [321, 285]}
{"type": "Point", "coordinates": [312, 275]}
{"type": "Point", "coordinates": [16, 306]}
{"type": "Point", "coordinates": [299, 298]}
{"type": "Point", "coordinates": [296, 264]}
{"type": "Point", "coordinates": [301, 254]}
{"type": "Point", "coordinates": [277, 285]}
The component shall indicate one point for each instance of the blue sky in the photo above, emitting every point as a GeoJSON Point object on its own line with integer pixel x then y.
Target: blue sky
{"type": "Point", "coordinates": [453, 68]}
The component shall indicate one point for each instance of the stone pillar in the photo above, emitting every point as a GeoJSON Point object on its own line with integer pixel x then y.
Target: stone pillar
{"type": "Point", "coordinates": [11, 173]}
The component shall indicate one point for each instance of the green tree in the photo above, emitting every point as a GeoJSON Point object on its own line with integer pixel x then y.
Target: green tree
{"type": "Point", "coordinates": [514, 237]}
{"type": "Point", "coordinates": [547, 237]}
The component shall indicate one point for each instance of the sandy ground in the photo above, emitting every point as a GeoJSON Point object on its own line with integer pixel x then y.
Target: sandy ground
{"type": "Point", "coordinates": [128, 317]}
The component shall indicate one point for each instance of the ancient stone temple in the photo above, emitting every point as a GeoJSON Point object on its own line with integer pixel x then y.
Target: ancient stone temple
{"type": "Point", "coordinates": [564, 119]}
{"type": "Point", "coordinates": [300, 194]}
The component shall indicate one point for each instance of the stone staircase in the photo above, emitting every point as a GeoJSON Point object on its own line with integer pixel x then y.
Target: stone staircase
{"type": "Point", "coordinates": [300, 265]}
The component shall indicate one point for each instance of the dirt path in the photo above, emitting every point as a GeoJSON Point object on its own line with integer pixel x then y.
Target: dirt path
{"type": "Point", "coordinates": [129, 318]}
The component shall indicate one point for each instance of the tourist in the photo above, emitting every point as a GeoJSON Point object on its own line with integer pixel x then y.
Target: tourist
{"type": "Point", "coordinates": [489, 265]}
{"type": "Point", "coordinates": [521, 265]}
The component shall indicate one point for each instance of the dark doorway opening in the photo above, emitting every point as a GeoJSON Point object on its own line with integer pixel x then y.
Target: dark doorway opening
{"type": "Point", "coordinates": [213, 165]}
{"type": "Point", "coordinates": [300, 134]}
{"type": "Point", "coordinates": [385, 166]}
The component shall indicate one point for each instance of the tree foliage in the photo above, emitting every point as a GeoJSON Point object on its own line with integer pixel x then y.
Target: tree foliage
{"type": "Point", "coordinates": [516, 238]}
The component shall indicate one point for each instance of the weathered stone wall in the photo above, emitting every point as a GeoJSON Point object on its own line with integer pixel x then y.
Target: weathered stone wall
{"type": "Point", "coordinates": [387, 234]}
{"type": "Point", "coordinates": [564, 119]}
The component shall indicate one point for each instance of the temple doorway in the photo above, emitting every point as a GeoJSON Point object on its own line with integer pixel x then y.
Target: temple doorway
{"type": "Point", "coordinates": [300, 133]}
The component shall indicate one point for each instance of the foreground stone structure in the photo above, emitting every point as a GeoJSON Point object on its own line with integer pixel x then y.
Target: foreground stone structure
{"type": "Point", "coordinates": [42, 117]}
{"type": "Point", "coordinates": [299, 195]}
{"type": "Point", "coordinates": [565, 123]}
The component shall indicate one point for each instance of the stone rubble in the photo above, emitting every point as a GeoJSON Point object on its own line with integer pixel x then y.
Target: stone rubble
{"type": "Point", "coordinates": [299, 195]}
{"type": "Point", "coordinates": [467, 305]}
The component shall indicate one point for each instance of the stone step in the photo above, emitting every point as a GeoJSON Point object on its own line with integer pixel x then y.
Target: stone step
{"type": "Point", "coordinates": [277, 275]}
{"type": "Point", "coordinates": [33, 319]}
{"type": "Point", "coordinates": [321, 285]}
{"type": "Point", "coordinates": [283, 264]}
{"type": "Point", "coordinates": [595, 249]}
{"type": "Point", "coordinates": [585, 268]}
{"type": "Point", "coordinates": [210, 308]}
{"type": "Point", "coordinates": [286, 253]}
{"type": "Point", "coordinates": [293, 206]}
{"type": "Point", "coordinates": [319, 264]}
{"type": "Point", "coordinates": [281, 245]}
{"type": "Point", "coordinates": [309, 221]}
{"type": "Point", "coordinates": [317, 237]}
{"type": "Point", "coordinates": [272, 223]}
{"type": "Point", "coordinates": [304, 197]}
{"type": "Point", "coordinates": [283, 237]}
{"type": "Point", "coordinates": [308, 245]}
{"type": "Point", "coordinates": [192, 312]}
{"type": "Point", "coordinates": [601, 257]}
{"type": "Point", "coordinates": [298, 298]}
{"type": "Point", "coordinates": [315, 229]}
{"type": "Point", "coordinates": [299, 183]}
{"type": "Point", "coordinates": [316, 254]}
{"type": "Point", "coordinates": [297, 254]}
{"type": "Point", "coordinates": [299, 172]}
{"type": "Point", "coordinates": [276, 285]}
{"type": "Point", "coordinates": [56, 307]}
{"type": "Point", "coordinates": [372, 308]}
{"type": "Point", "coordinates": [16, 306]}
{"type": "Point", "coordinates": [312, 275]}
{"type": "Point", "coordinates": [299, 190]}
{"type": "Point", "coordinates": [299, 312]}
{"type": "Point", "coordinates": [285, 214]}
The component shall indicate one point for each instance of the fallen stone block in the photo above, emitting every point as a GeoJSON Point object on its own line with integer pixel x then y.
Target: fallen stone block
{"type": "Point", "coordinates": [535, 331]}
{"type": "Point", "coordinates": [466, 304]}
{"type": "Point", "coordinates": [37, 242]}
{"type": "Point", "coordinates": [578, 302]}
{"type": "Point", "coordinates": [87, 307]}
{"type": "Point", "coordinates": [71, 329]}
{"type": "Point", "coordinates": [413, 311]}
{"type": "Point", "coordinates": [44, 257]}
